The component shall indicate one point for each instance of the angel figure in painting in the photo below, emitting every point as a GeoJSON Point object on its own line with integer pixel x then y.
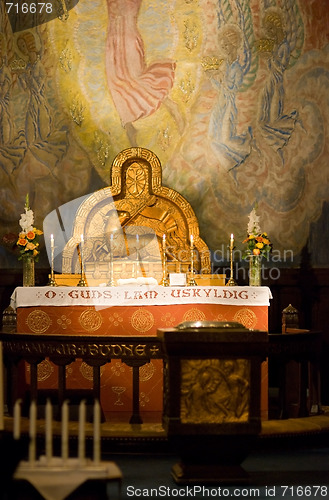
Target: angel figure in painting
{"type": "Point", "coordinates": [46, 143]}
{"type": "Point", "coordinates": [283, 43]}
{"type": "Point", "coordinates": [231, 147]}
{"type": "Point", "coordinates": [137, 89]}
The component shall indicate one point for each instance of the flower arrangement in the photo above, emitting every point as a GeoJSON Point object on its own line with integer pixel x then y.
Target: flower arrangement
{"type": "Point", "coordinates": [257, 241]}
{"type": "Point", "coordinates": [28, 238]}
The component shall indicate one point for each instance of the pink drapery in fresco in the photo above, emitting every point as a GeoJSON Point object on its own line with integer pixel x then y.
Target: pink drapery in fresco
{"type": "Point", "coordinates": [137, 90]}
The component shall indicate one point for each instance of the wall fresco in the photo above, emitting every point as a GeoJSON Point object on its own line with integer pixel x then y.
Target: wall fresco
{"type": "Point", "coordinates": [230, 94]}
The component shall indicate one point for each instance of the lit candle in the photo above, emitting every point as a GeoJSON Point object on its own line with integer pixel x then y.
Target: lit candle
{"type": "Point", "coordinates": [52, 243]}
{"type": "Point", "coordinates": [81, 438]}
{"type": "Point", "coordinates": [17, 419]}
{"type": "Point", "coordinates": [232, 241]}
{"type": "Point", "coordinates": [97, 432]}
{"type": "Point", "coordinates": [65, 431]}
{"type": "Point", "coordinates": [49, 430]}
{"type": "Point", "coordinates": [164, 241]}
{"type": "Point", "coordinates": [32, 431]}
{"type": "Point", "coordinates": [192, 240]}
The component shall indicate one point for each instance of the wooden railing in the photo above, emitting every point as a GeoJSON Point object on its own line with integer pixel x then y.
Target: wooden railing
{"type": "Point", "coordinates": [62, 350]}
{"type": "Point", "coordinates": [303, 349]}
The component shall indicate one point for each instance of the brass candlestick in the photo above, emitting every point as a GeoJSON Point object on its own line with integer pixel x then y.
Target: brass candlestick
{"type": "Point", "coordinates": [82, 281]}
{"type": "Point", "coordinates": [164, 281]}
{"type": "Point", "coordinates": [111, 280]}
{"type": "Point", "coordinates": [52, 281]}
{"type": "Point", "coordinates": [231, 281]}
{"type": "Point", "coordinates": [192, 281]}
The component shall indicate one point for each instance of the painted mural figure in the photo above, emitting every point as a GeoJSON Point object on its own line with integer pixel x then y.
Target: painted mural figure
{"type": "Point", "coordinates": [46, 145]}
{"type": "Point", "coordinates": [11, 145]}
{"type": "Point", "coordinates": [5, 86]}
{"type": "Point", "coordinates": [276, 125]}
{"type": "Point", "coordinates": [231, 147]}
{"type": "Point", "coordinates": [137, 89]}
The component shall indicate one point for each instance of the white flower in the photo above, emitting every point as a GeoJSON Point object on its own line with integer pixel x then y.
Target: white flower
{"type": "Point", "coordinates": [253, 225]}
{"type": "Point", "coordinates": [27, 220]}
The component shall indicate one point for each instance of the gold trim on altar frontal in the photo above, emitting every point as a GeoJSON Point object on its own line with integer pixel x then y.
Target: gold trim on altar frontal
{"type": "Point", "coordinates": [126, 224]}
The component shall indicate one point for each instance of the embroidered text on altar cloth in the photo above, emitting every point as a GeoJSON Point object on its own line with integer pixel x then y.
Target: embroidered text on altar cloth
{"type": "Point", "coordinates": [148, 295]}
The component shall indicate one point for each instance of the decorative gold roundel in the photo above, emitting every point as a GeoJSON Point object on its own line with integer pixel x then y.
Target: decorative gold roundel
{"type": "Point", "coordinates": [247, 317]}
{"type": "Point", "coordinates": [86, 371]}
{"type": "Point", "coordinates": [142, 320]}
{"type": "Point", "coordinates": [38, 321]}
{"type": "Point", "coordinates": [194, 315]}
{"type": "Point", "coordinates": [146, 372]}
{"type": "Point", "coordinates": [45, 369]}
{"type": "Point", "coordinates": [90, 320]}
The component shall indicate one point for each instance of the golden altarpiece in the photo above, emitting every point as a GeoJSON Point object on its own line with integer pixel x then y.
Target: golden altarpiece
{"type": "Point", "coordinates": [135, 227]}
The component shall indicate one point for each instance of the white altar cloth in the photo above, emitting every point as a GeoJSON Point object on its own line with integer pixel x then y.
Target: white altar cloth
{"type": "Point", "coordinates": [139, 296]}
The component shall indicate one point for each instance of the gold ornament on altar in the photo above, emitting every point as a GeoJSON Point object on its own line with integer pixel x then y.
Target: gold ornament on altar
{"type": "Point", "coordinates": [136, 228]}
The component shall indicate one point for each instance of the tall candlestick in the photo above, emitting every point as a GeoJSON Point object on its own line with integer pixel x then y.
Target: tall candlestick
{"type": "Point", "coordinates": [111, 280]}
{"type": "Point", "coordinates": [17, 419]}
{"type": "Point", "coordinates": [192, 281]}
{"type": "Point", "coordinates": [32, 431]}
{"type": "Point", "coordinates": [164, 281]}
{"type": "Point", "coordinates": [65, 431]}
{"type": "Point", "coordinates": [52, 281]}
{"type": "Point", "coordinates": [49, 430]}
{"type": "Point", "coordinates": [231, 281]}
{"type": "Point", "coordinates": [81, 438]}
{"type": "Point", "coordinates": [97, 432]}
{"type": "Point", "coordinates": [82, 281]}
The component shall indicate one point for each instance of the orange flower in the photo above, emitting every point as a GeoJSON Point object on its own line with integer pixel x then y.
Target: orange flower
{"type": "Point", "coordinates": [256, 251]}
{"type": "Point", "coordinates": [22, 242]}
{"type": "Point", "coordinates": [30, 235]}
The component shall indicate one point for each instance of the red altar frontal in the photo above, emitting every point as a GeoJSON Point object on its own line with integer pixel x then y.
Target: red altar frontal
{"type": "Point", "coordinates": [126, 311]}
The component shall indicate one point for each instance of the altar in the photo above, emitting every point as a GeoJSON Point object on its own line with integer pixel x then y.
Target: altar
{"type": "Point", "coordinates": [130, 311]}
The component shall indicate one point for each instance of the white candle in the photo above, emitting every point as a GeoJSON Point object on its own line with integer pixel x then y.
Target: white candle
{"type": "Point", "coordinates": [17, 419]}
{"type": "Point", "coordinates": [49, 430]}
{"type": "Point", "coordinates": [232, 240]}
{"type": "Point", "coordinates": [65, 431]}
{"type": "Point", "coordinates": [97, 432]}
{"type": "Point", "coordinates": [52, 242]}
{"type": "Point", "coordinates": [81, 438]}
{"type": "Point", "coordinates": [33, 431]}
{"type": "Point", "coordinates": [191, 240]}
{"type": "Point", "coordinates": [164, 241]}
{"type": "Point", "coordinates": [2, 390]}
